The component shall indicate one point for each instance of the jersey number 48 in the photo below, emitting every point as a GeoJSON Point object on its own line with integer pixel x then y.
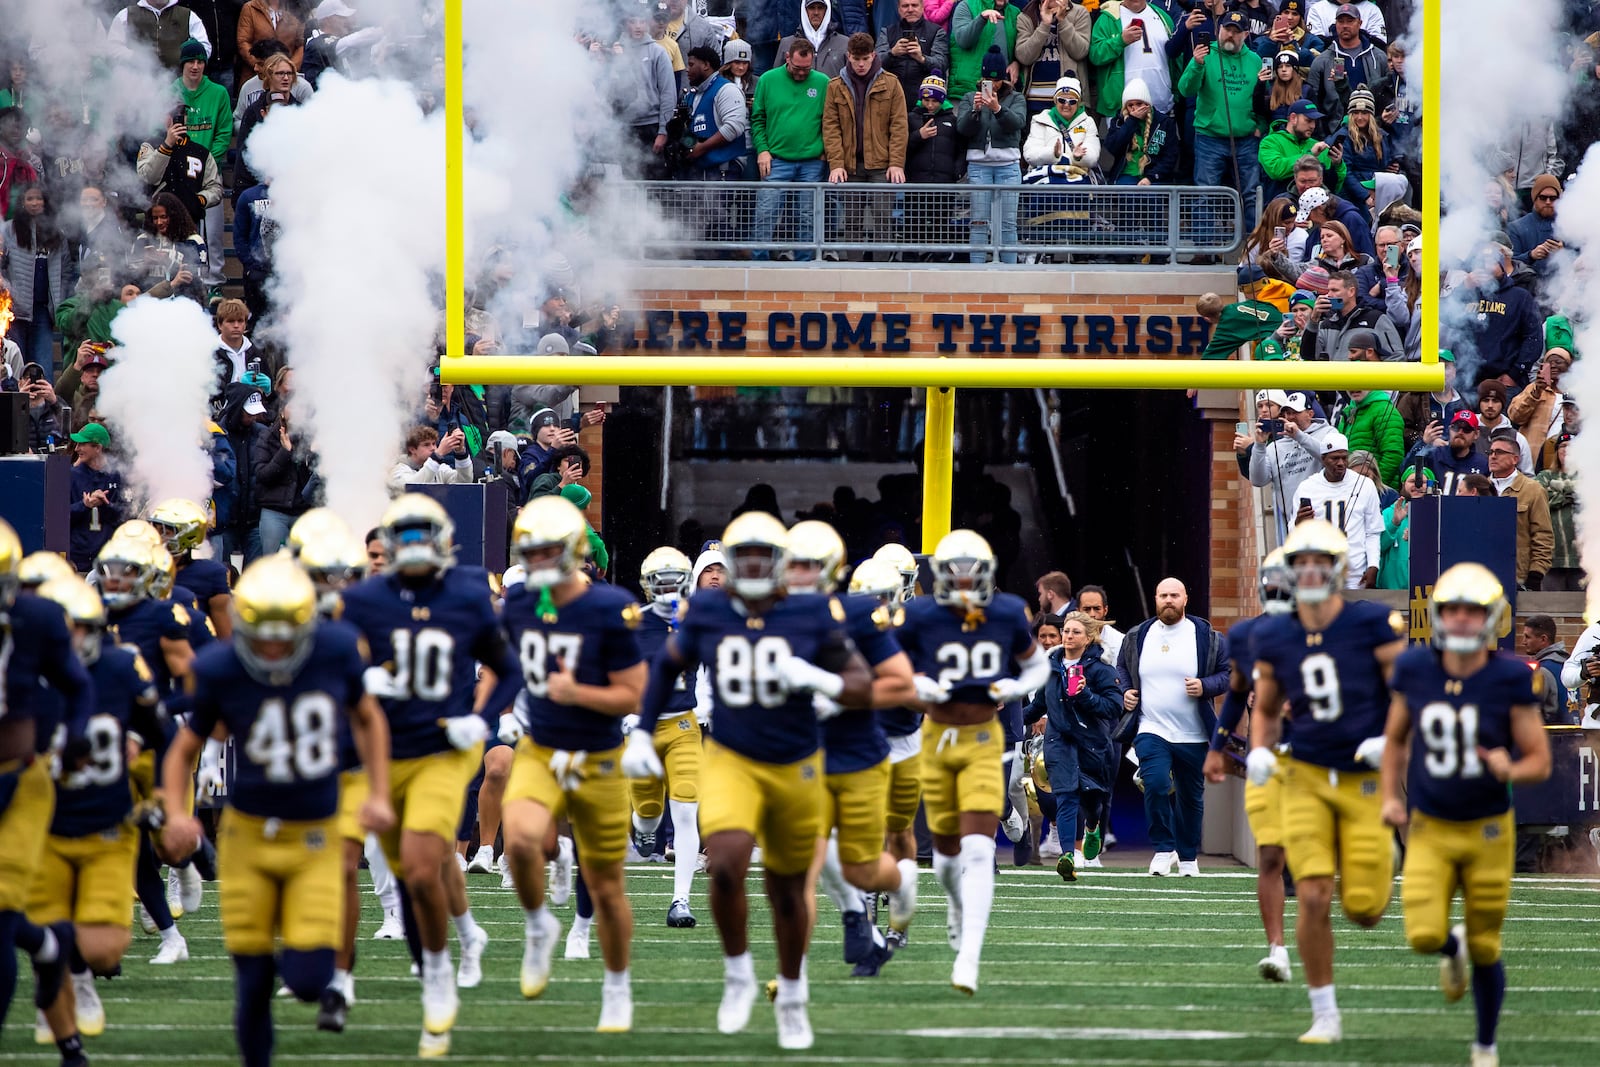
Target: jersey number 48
{"type": "Point", "coordinates": [295, 742]}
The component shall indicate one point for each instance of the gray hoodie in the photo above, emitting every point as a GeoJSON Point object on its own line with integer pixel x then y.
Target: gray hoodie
{"type": "Point", "coordinates": [645, 90]}
{"type": "Point", "coordinates": [1285, 463]}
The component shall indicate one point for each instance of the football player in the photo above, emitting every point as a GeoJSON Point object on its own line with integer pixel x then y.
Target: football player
{"type": "Point", "coordinates": [851, 858]}
{"type": "Point", "coordinates": [280, 686]}
{"type": "Point", "coordinates": [1461, 709]}
{"type": "Point", "coordinates": [973, 650]}
{"type": "Point", "coordinates": [761, 778]}
{"type": "Point", "coordinates": [904, 563]}
{"type": "Point", "coordinates": [1263, 805]}
{"type": "Point", "coordinates": [183, 524]}
{"type": "Point", "coordinates": [37, 568]}
{"type": "Point", "coordinates": [429, 623]}
{"type": "Point", "coordinates": [664, 577]}
{"type": "Point", "coordinates": [1330, 659]}
{"type": "Point", "coordinates": [89, 856]}
{"type": "Point", "coordinates": [583, 672]}
{"type": "Point", "coordinates": [35, 647]}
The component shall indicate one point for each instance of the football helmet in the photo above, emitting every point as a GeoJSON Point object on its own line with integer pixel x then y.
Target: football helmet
{"type": "Point", "coordinates": [10, 563]}
{"type": "Point", "coordinates": [550, 522]}
{"type": "Point", "coordinates": [274, 618]}
{"type": "Point", "coordinates": [963, 570]}
{"type": "Point", "coordinates": [182, 523]}
{"type": "Point", "coordinates": [1475, 585]}
{"type": "Point", "coordinates": [85, 612]}
{"type": "Point", "coordinates": [816, 542]}
{"type": "Point", "coordinates": [900, 558]}
{"type": "Point", "coordinates": [417, 535]}
{"type": "Point", "coordinates": [125, 569]}
{"type": "Point", "coordinates": [165, 575]}
{"type": "Point", "coordinates": [1315, 537]}
{"type": "Point", "coordinates": [139, 531]}
{"type": "Point", "coordinates": [317, 523]}
{"type": "Point", "coordinates": [756, 546]}
{"type": "Point", "coordinates": [37, 568]}
{"type": "Point", "coordinates": [664, 577]}
{"type": "Point", "coordinates": [333, 563]}
{"type": "Point", "coordinates": [876, 577]}
{"type": "Point", "coordinates": [1276, 584]}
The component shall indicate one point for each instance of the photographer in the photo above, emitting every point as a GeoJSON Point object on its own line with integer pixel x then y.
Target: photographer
{"type": "Point", "coordinates": [1285, 451]}
{"type": "Point", "coordinates": [431, 460]}
{"type": "Point", "coordinates": [1335, 317]}
{"type": "Point", "coordinates": [914, 47]}
{"type": "Point", "coordinates": [1578, 674]}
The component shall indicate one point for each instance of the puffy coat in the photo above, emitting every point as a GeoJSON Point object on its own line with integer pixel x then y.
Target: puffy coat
{"type": "Point", "coordinates": [1077, 740]}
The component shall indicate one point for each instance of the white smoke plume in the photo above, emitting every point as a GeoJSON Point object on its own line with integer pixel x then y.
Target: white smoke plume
{"type": "Point", "coordinates": [155, 397]}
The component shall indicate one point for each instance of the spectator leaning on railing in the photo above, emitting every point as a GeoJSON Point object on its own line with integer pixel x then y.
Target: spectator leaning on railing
{"type": "Point", "coordinates": [786, 129]}
{"type": "Point", "coordinates": [864, 136]}
{"type": "Point", "coordinates": [991, 119]}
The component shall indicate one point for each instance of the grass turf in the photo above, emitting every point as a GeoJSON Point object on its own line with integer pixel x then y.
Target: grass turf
{"type": "Point", "coordinates": [1119, 969]}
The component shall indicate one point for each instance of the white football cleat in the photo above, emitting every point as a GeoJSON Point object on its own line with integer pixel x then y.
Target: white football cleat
{"type": "Point", "coordinates": [538, 950]}
{"type": "Point", "coordinates": [482, 861]}
{"type": "Point", "coordinates": [559, 876]}
{"type": "Point", "coordinates": [174, 893]}
{"type": "Point", "coordinates": [1162, 862]}
{"type": "Point", "coordinates": [738, 998]}
{"type": "Point", "coordinates": [1274, 967]}
{"type": "Point", "coordinates": [174, 951]}
{"type": "Point", "coordinates": [903, 901]}
{"type": "Point", "coordinates": [146, 923]}
{"type": "Point", "coordinates": [91, 1013]}
{"type": "Point", "coordinates": [470, 974]}
{"type": "Point", "coordinates": [1325, 1030]}
{"type": "Point", "coordinates": [1015, 826]}
{"type": "Point", "coordinates": [794, 1027]}
{"type": "Point", "coordinates": [616, 1010]}
{"type": "Point", "coordinates": [461, 862]}
{"type": "Point", "coordinates": [964, 975]}
{"type": "Point", "coordinates": [42, 1034]}
{"type": "Point", "coordinates": [440, 1002]}
{"type": "Point", "coordinates": [1485, 1056]}
{"type": "Point", "coordinates": [393, 928]}
{"type": "Point", "coordinates": [1188, 868]}
{"type": "Point", "coordinates": [503, 864]}
{"type": "Point", "coordinates": [577, 943]}
{"type": "Point", "coordinates": [191, 889]}
{"type": "Point", "coordinates": [1453, 969]}
{"type": "Point", "coordinates": [433, 1046]}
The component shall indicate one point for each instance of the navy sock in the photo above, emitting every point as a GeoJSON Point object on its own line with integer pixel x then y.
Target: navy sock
{"type": "Point", "coordinates": [151, 889]}
{"type": "Point", "coordinates": [585, 902]}
{"type": "Point", "coordinates": [77, 965]}
{"type": "Point", "coordinates": [1451, 946]}
{"type": "Point", "coordinates": [71, 1050]}
{"type": "Point", "coordinates": [408, 919]}
{"type": "Point", "coordinates": [252, 1009]}
{"type": "Point", "coordinates": [306, 974]}
{"type": "Point", "coordinates": [8, 958]}
{"type": "Point", "coordinates": [26, 935]}
{"type": "Point", "coordinates": [1488, 994]}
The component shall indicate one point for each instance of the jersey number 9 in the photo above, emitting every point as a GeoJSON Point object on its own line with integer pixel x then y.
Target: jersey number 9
{"type": "Point", "coordinates": [1319, 676]}
{"type": "Point", "coordinates": [104, 734]}
{"type": "Point", "coordinates": [747, 672]}
{"type": "Point", "coordinates": [297, 742]}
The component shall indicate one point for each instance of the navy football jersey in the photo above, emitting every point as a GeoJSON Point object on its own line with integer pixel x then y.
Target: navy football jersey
{"type": "Point", "coordinates": [592, 638]}
{"type": "Point", "coordinates": [205, 578]}
{"type": "Point", "coordinates": [430, 639]}
{"type": "Point", "coordinates": [854, 740]}
{"type": "Point", "coordinates": [753, 714]}
{"type": "Point", "coordinates": [1240, 656]}
{"type": "Point", "coordinates": [35, 646]}
{"type": "Point", "coordinates": [652, 635]}
{"type": "Point", "coordinates": [1332, 681]}
{"type": "Point", "coordinates": [286, 736]}
{"type": "Point", "coordinates": [896, 722]}
{"type": "Point", "coordinates": [143, 625]}
{"type": "Point", "coordinates": [940, 645]}
{"type": "Point", "coordinates": [1450, 719]}
{"type": "Point", "coordinates": [201, 632]}
{"type": "Point", "coordinates": [97, 797]}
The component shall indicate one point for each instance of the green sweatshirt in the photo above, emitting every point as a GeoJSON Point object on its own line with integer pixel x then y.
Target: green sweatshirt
{"type": "Point", "coordinates": [1220, 113]}
{"type": "Point", "coordinates": [786, 117]}
{"type": "Point", "coordinates": [1280, 151]}
{"type": "Point", "coordinates": [210, 116]}
{"type": "Point", "coordinates": [1243, 323]}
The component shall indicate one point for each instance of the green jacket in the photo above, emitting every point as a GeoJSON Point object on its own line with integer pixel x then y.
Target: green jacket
{"type": "Point", "coordinates": [1394, 562]}
{"type": "Point", "coordinates": [1246, 322]}
{"type": "Point", "coordinates": [1375, 425]}
{"type": "Point", "coordinates": [1280, 151]}
{"type": "Point", "coordinates": [1106, 52]}
{"type": "Point", "coordinates": [210, 116]}
{"type": "Point", "coordinates": [966, 59]}
{"type": "Point", "coordinates": [1224, 89]}
{"type": "Point", "coordinates": [786, 115]}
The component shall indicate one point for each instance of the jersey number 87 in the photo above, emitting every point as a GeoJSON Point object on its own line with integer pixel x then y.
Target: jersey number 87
{"type": "Point", "coordinates": [537, 648]}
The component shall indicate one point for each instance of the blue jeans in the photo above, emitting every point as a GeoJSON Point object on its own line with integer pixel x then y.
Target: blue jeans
{"type": "Point", "coordinates": [1215, 159]}
{"type": "Point", "coordinates": [985, 203]}
{"type": "Point", "coordinates": [275, 531]}
{"type": "Point", "coordinates": [38, 344]}
{"type": "Point", "coordinates": [1174, 793]}
{"type": "Point", "coordinates": [771, 204]}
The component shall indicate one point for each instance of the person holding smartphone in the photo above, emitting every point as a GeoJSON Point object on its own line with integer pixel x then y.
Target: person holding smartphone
{"type": "Point", "coordinates": [913, 47]}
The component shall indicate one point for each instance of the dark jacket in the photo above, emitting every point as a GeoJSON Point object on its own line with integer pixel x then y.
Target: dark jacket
{"type": "Point", "coordinates": [279, 476]}
{"type": "Point", "coordinates": [1333, 94]}
{"type": "Point", "coordinates": [938, 158]}
{"type": "Point", "coordinates": [935, 43]}
{"type": "Point", "coordinates": [1213, 668]}
{"type": "Point", "coordinates": [1118, 142]}
{"type": "Point", "coordinates": [1506, 329]}
{"type": "Point", "coordinates": [44, 427]}
{"type": "Point", "coordinates": [1077, 740]}
{"type": "Point", "coordinates": [90, 531]}
{"type": "Point", "coordinates": [1557, 702]}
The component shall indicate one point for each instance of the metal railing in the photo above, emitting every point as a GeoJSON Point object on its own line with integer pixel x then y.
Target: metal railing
{"type": "Point", "coordinates": [879, 222]}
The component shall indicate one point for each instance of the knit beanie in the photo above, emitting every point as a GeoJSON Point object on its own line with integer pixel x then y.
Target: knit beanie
{"type": "Point", "coordinates": [1545, 183]}
{"type": "Point", "coordinates": [933, 86]}
{"type": "Point", "coordinates": [1314, 279]}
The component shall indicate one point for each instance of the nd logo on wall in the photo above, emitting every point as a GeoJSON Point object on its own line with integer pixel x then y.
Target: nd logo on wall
{"type": "Point", "coordinates": [1446, 530]}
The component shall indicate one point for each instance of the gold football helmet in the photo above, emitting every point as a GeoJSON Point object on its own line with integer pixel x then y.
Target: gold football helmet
{"type": "Point", "coordinates": [84, 611]}
{"type": "Point", "coordinates": [126, 569]}
{"type": "Point", "coordinates": [166, 575]}
{"type": "Point", "coordinates": [417, 535]}
{"type": "Point", "coordinates": [900, 558]}
{"type": "Point", "coordinates": [316, 523]}
{"type": "Point", "coordinates": [1474, 585]}
{"type": "Point", "coordinates": [37, 568]}
{"type": "Point", "coordinates": [815, 542]}
{"type": "Point", "coordinates": [545, 523]}
{"type": "Point", "coordinates": [10, 561]}
{"type": "Point", "coordinates": [664, 577]}
{"type": "Point", "coordinates": [139, 531]}
{"type": "Point", "coordinates": [274, 618]}
{"type": "Point", "coordinates": [876, 577]}
{"type": "Point", "coordinates": [963, 570]}
{"type": "Point", "coordinates": [1276, 584]}
{"type": "Point", "coordinates": [1315, 537]}
{"type": "Point", "coordinates": [182, 523]}
{"type": "Point", "coordinates": [757, 547]}
{"type": "Point", "coordinates": [333, 563]}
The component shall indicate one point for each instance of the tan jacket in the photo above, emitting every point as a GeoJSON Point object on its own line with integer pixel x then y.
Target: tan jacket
{"type": "Point", "coordinates": [1533, 412]}
{"type": "Point", "coordinates": [1535, 537]}
{"type": "Point", "coordinates": [255, 24]}
{"type": "Point", "coordinates": [884, 130]}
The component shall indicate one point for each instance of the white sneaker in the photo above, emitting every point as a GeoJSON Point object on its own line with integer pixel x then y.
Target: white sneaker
{"type": "Point", "coordinates": [503, 864]}
{"type": "Point", "coordinates": [393, 928]}
{"type": "Point", "coordinates": [470, 974]}
{"type": "Point", "coordinates": [1091, 864]}
{"type": "Point", "coordinates": [91, 1013]}
{"type": "Point", "coordinates": [1274, 967]}
{"type": "Point", "coordinates": [1325, 1030]}
{"type": "Point", "coordinates": [538, 951]}
{"type": "Point", "coordinates": [794, 1027]}
{"type": "Point", "coordinates": [42, 1034]}
{"type": "Point", "coordinates": [755, 855]}
{"type": "Point", "coordinates": [577, 943]}
{"type": "Point", "coordinates": [146, 923]}
{"type": "Point", "coordinates": [174, 951]}
{"type": "Point", "coordinates": [964, 975]}
{"type": "Point", "coordinates": [1079, 862]}
{"type": "Point", "coordinates": [1161, 863]}
{"type": "Point", "coordinates": [903, 901]}
{"type": "Point", "coordinates": [191, 889]}
{"type": "Point", "coordinates": [1188, 868]}
{"type": "Point", "coordinates": [616, 1010]}
{"type": "Point", "coordinates": [1015, 825]}
{"type": "Point", "coordinates": [700, 863]}
{"type": "Point", "coordinates": [1453, 969]}
{"type": "Point", "coordinates": [461, 861]}
{"type": "Point", "coordinates": [482, 861]}
{"type": "Point", "coordinates": [174, 893]}
{"type": "Point", "coordinates": [440, 1002]}
{"type": "Point", "coordinates": [1485, 1056]}
{"type": "Point", "coordinates": [559, 876]}
{"type": "Point", "coordinates": [433, 1046]}
{"type": "Point", "coordinates": [738, 997]}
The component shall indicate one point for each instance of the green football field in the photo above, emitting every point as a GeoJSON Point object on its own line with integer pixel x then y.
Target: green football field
{"type": "Point", "coordinates": [1118, 969]}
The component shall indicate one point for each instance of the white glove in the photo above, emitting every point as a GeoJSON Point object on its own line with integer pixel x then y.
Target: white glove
{"type": "Point", "coordinates": [568, 769]}
{"type": "Point", "coordinates": [1260, 765]}
{"type": "Point", "coordinates": [510, 728]}
{"type": "Point", "coordinates": [825, 707]}
{"type": "Point", "coordinates": [1005, 691]}
{"type": "Point", "coordinates": [380, 683]}
{"type": "Point", "coordinates": [208, 782]}
{"type": "Point", "coordinates": [796, 674]}
{"type": "Point", "coordinates": [639, 759]}
{"type": "Point", "coordinates": [1370, 752]}
{"type": "Point", "coordinates": [464, 731]}
{"type": "Point", "coordinates": [931, 690]}
{"type": "Point", "coordinates": [629, 724]}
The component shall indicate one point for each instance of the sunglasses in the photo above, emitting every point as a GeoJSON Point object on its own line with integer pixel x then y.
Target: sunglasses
{"type": "Point", "coordinates": [1501, 452]}
{"type": "Point", "coordinates": [1552, 197]}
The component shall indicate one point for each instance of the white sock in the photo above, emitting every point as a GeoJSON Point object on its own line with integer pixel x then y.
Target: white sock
{"type": "Point", "coordinates": [340, 977]}
{"type": "Point", "coordinates": [742, 966]}
{"type": "Point", "coordinates": [1322, 1000]}
{"type": "Point", "coordinates": [644, 825]}
{"type": "Point", "coordinates": [977, 890]}
{"type": "Point", "coordinates": [908, 875]}
{"type": "Point", "coordinates": [536, 919]}
{"type": "Point", "coordinates": [436, 961]}
{"type": "Point", "coordinates": [169, 936]}
{"type": "Point", "coordinates": [947, 869]}
{"type": "Point", "coordinates": [616, 980]}
{"type": "Point", "coordinates": [843, 895]}
{"type": "Point", "coordinates": [50, 948]}
{"type": "Point", "coordinates": [465, 924]}
{"type": "Point", "coordinates": [791, 990]}
{"type": "Point", "coordinates": [581, 924]}
{"type": "Point", "coordinates": [384, 886]}
{"type": "Point", "coordinates": [686, 848]}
